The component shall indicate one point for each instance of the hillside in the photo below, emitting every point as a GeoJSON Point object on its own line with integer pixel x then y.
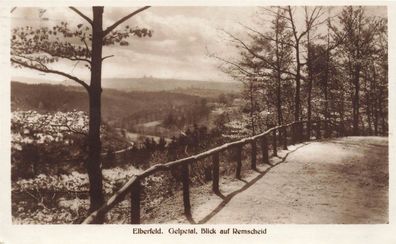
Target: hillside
{"type": "Point", "coordinates": [115, 104]}
{"type": "Point", "coordinates": [156, 84]}
{"type": "Point", "coordinates": [195, 87]}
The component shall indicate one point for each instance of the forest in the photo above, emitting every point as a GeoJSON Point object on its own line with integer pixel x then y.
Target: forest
{"type": "Point", "coordinates": [148, 105]}
{"type": "Point", "coordinates": [331, 66]}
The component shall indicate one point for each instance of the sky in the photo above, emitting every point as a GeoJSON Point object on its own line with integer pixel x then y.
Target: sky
{"type": "Point", "coordinates": [183, 38]}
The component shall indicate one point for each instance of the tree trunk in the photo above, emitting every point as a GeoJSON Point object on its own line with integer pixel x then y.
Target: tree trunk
{"type": "Point", "coordinates": [298, 85]}
{"type": "Point", "coordinates": [309, 111]}
{"type": "Point", "coordinates": [278, 77]}
{"type": "Point", "coordinates": [343, 131]}
{"type": "Point", "coordinates": [297, 94]}
{"type": "Point", "coordinates": [355, 101]}
{"type": "Point", "coordinates": [368, 91]}
{"type": "Point", "coordinates": [375, 111]}
{"type": "Point", "coordinates": [279, 102]}
{"type": "Point", "coordinates": [93, 163]}
{"type": "Point", "coordinates": [325, 87]}
{"type": "Point", "coordinates": [310, 81]}
{"type": "Point", "coordinates": [376, 101]}
{"type": "Point", "coordinates": [326, 112]}
{"type": "Point", "coordinates": [252, 107]}
{"type": "Point", "coordinates": [381, 112]}
{"type": "Point", "coordinates": [369, 119]}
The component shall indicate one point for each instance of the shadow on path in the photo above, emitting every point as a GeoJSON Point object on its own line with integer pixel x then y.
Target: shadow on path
{"type": "Point", "coordinates": [227, 199]}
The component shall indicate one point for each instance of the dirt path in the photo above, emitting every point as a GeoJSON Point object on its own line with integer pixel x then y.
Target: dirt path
{"type": "Point", "coordinates": [329, 182]}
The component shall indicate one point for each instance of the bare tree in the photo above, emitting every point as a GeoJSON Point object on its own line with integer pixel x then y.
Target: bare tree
{"type": "Point", "coordinates": [297, 51]}
{"type": "Point", "coordinates": [36, 48]}
{"type": "Point", "coordinates": [318, 63]}
{"type": "Point", "coordinates": [247, 72]}
{"type": "Point", "coordinates": [275, 56]}
{"type": "Point", "coordinates": [312, 20]}
{"type": "Point", "coordinates": [264, 62]}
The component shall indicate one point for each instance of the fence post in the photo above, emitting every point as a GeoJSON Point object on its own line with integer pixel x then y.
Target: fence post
{"type": "Point", "coordinates": [239, 161]}
{"type": "Point", "coordinates": [326, 129]}
{"type": "Point", "coordinates": [284, 138]}
{"type": "Point", "coordinates": [135, 202]}
{"type": "Point", "coordinates": [186, 190]}
{"type": "Point", "coordinates": [301, 132]}
{"type": "Point", "coordinates": [308, 130]}
{"type": "Point", "coordinates": [274, 143]}
{"type": "Point", "coordinates": [254, 154]}
{"type": "Point", "coordinates": [215, 172]}
{"type": "Point", "coordinates": [318, 132]}
{"type": "Point", "coordinates": [340, 130]}
{"type": "Point", "coordinates": [294, 133]}
{"type": "Point", "coordinates": [264, 149]}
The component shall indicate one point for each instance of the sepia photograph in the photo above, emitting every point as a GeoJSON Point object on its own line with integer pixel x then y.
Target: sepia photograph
{"type": "Point", "coordinates": [199, 115]}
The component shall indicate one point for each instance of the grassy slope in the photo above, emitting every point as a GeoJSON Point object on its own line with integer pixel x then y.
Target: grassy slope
{"type": "Point", "coordinates": [49, 98]}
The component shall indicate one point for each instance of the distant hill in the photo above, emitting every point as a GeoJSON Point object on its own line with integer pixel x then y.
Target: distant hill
{"type": "Point", "coordinates": [195, 87]}
{"type": "Point", "coordinates": [115, 104]}
{"type": "Point", "coordinates": [155, 84]}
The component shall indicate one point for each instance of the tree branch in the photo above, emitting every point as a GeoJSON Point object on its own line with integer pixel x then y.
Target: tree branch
{"type": "Point", "coordinates": [109, 56]}
{"type": "Point", "coordinates": [241, 69]}
{"type": "Point", "coordinates": [46, 70]}
{"type": "Point", "coordinates": [236, 66]}
{"type": "Point", "coordinates": [293, 26]}
{"type": "Point", "coordinates": [250, 50]}
{"type": "Point", "coordinates": [271, 65]}
{"type": "Point", "coordinates": [113, 26]}
{"type": "Point", "coordinates": [74, 58]}
{"type": "Point", "coordinates": [68, 127]}
{"type": "Point", "coordinates": [86, 46]}
{"type": "Point", "coordinates": [81, 14]}
{"type": "Point", "coordinates": [266, 37]}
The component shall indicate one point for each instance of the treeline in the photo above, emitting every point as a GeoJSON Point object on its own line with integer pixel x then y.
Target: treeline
{"type": "Point", "coordinates": [195, 139]}
{"type": "Point", "coordinates": [53, 143]}
{"type": "Point", "coordinates": [120, 109]}
{"type": "Point", "coordinates": [308, 63]}
{"type": "Point", "coordinates": [175, 119]}
{"type": "Point", "coordinates": [187, 116]}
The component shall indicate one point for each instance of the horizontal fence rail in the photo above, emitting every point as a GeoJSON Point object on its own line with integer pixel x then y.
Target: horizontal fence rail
{"type": "Point", "coordinates": [279, 137]}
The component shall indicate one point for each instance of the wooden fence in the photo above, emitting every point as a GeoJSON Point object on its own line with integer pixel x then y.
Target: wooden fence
{"type": "Point", "coordinates": [278, 134]}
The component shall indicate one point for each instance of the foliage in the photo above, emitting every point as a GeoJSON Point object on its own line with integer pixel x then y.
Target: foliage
{"type": "Point", "coordinates": [37, 47]}
{"type": "Point", "coordinates": [41, 141]}
{"type": "Point", "coordinates": [74, 182]}
{"type": "Point", "coordinates": [187, 115]}
{"type": "Point", "coordinates": [310, 73]}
